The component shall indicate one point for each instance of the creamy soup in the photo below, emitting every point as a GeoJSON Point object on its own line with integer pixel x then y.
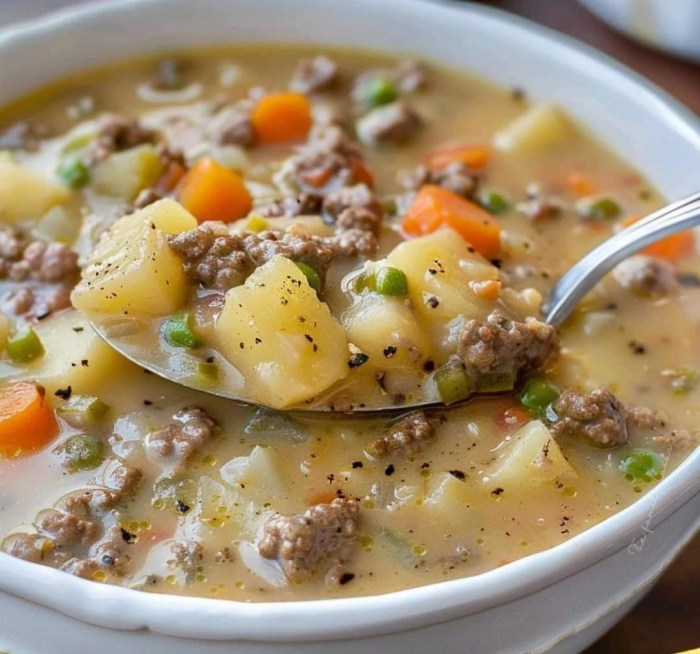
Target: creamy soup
{"type": "Point", "coordinates": [333, 230]}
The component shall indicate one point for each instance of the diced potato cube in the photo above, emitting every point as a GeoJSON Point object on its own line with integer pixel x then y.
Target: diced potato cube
{"type": "Point", "coordinates": [533, 458]}
{"type": "Point", "coordinates": [125, 174]}
{"type": "Point", "coordinates": [74, 356]}
{"type": "Point", "coordinates": [280, 336]}
{"type": "Point", "coordinates": [439, 268]}
{"type": "Point", "coordinates": [24, 195]}
{"type": "Point", "coordinates": [541, 127]}
{"type": "Point", "coordinates": [386, 330]}
{"type": "Point", "coordinates": [133, 269]}
{"type": "Point", "coordinates": [448, 494]}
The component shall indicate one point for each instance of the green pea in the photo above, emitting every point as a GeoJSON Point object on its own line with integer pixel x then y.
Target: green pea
{"type": "Point", "coordinates": [493, 201]}
{"type": "Point", "coordinates": [392, 281]}
{"type": "Point", "coordinates": [177, 331]}
{"type": "Point", "coordinates": [380, 91]}
{"type": "Point", "coordinates": [538, 395]}
{"type": "Point", "coordinates": [84, 452]}
{"type": "Point", "coordinates": [602, 208]}
{"type": "Point", "coordinates": [73, 172]}
{"type": "Point", "coordinates": [643, 465]}
{"type": "Point", "coordinates": [311, 275]}
{"type": "Point", "coordinates": [25, 346]}
{"type": "Point", "coordinates": [453, 383]}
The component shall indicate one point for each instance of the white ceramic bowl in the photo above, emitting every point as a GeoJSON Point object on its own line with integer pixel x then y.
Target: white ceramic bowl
{"type": "Point", "coordinates": [558, 600]}
{"type": "Point", "coordinates": [671, 25]}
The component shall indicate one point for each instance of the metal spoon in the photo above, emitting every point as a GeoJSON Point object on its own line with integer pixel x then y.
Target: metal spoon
{"type": "Point", "coordinates": [565, 295]}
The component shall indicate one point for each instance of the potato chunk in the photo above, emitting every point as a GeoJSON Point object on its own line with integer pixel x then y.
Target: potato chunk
{"type": "Point", "coordinates": [24, 195]}
{"type": "Point", "coordinates": [133, 270]}
{"type": "Point", "coordinates": [281, 337]}
{"type": "Point", "coordinates": [534, 457]}
{"type": "Point", "coordinates": [541, 127]}
{"type": "Point", "coordinates": [125, 174]}
{"type": "Point", "coordinates": [439, 268]}
{"type": "Point", "coordinates": [386, 329]}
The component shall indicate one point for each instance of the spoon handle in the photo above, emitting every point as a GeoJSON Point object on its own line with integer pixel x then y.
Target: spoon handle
{"type": "Point", "coordinates": [582, 277]}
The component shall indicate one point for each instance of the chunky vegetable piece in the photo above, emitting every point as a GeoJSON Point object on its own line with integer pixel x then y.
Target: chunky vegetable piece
{"type": "Point", "coordinates": [672, 248]}
{"type": "Point", "coordinates": [538, 396]}
{"type": "Point", "coordinates": [542, 127]}
{"type": "Point", "coordinates": [27, 422]}
{"type": "Point", "coordinates": [211, 191]}
{"type": "Point", "coordinates": [280, 117]}
{"type": "Point", "coordinates": [133, 270]}
{"type": "Point", "coordinates": [124, 174]}
{"type": "Point", "coordinates": [643, 465]}
{"type": "Point", "coordinates": [277, 332]}
{"type": "Point", "coordinates": [179, 332]}
{"type": "Point", "coordinates": [83, 452]}
{"type": "Point", "coordinates": [435, 207]}
{"type": "Point", "coordinates": [24, 346]}
{"type": "Point", "coordinates": [24, 195]}
{"type": "Point", "coordinates": [475, 156]}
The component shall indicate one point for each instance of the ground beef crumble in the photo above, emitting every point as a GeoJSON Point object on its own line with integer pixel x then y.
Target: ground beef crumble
{"type": "Point", "coordinates": [319, 73]}
{"type": "Point", "coordinates": [394, 123]}
{"type": "Point", "coordinates": [406, 437]}
{"type": "Point", "coordinates": [354, 207]}
{"type": "Point", "coordinates": [646, 276]}
{"type": "Point", "coordinates": [500, 345]}
{"type": "Point", "coordinates": [455, 177]}
{"type": "Point", "coordinates": [116, 133]}
{"type": "Point", "coordinates": [303, 542]}
{"type": "Point", "coordinates": [190, 430]}
{"type": "Point", "coordinates": [304, 204]}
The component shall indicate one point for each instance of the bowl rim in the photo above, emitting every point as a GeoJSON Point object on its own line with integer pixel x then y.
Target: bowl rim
{"type": "Point", "coordinates": [122, 608]}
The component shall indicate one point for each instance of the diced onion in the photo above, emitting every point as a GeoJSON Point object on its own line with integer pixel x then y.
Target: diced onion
{"type": "Point", "coordinates": [264, 568]}
{"type": "Point", "coordinates": [188, 94]}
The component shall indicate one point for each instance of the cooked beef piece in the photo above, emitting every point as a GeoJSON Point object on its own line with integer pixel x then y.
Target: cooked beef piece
{"type": "Point", "coordinates": [677, 439]}
{"type": "Point", "coordinates": [327, 161]}
{"type": "Point", "coordinates": [538, 206]}
{"type": "Point", "coordinates": [23, 135]}
{"type": "Point", "coordinates": [353, 243]}
{"type": "Point", "coordinates": [354, 207]}
{"type": "Point", "coordinates": [122, 478]}
{"type": "Point", "coordinates": [143, 199]}
{"type": "Point", "coordinates": [22, 259]}
{"type": "Point", "coordinates": [33, 301]}
{"type": "Point", "coordinates": [186, 435]}
{"type": "Point", "coordinates": [116, 133]}
{"type": "Point", "coordinates": [302, 542]}
{"type": "Point", "coordinates": [645, 418]}
{"type": "Point", "coordinates": [187, 555]}
{"type": "Point", "coordinates": [67, 530]}
{"type": "Point", "coordinates": [218, 259]}
{"type": "Point", "coordinates": [408, 76]}
{"type": "Point", "coordinates": [500, 345]}
{"type": "Point", "coordinates": [317, 74]}
{"type": "Point", "coordinates": [30, 547]}
{"type": "Point", "coordinates": [597, 416]}
{"type": "Point", "coordinates": [233, 126]}
{"type": "Point", "coordinates": [85, 504]}
{"type": "Point", "coordinates": [406, 437]}
{"type": "Point", "coordinates": [84, 568]}
{"type": "Point", "coordinates": [304, 204]}
{"type": "Point", "coordinates": [112, 551]}
{"type": "Point", "coordinates": [394, 123]}
{"type": "Point", "coordinates": [455, 177]}
{"type": "Point", "coordinates": [646, 276]}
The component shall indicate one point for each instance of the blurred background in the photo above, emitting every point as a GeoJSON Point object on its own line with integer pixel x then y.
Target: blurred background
{"type": "Point", "coordinates": [668, 619]}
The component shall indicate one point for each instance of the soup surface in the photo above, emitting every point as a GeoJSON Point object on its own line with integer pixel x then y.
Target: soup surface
{"type": "Point", "coordinates": [344, 230]}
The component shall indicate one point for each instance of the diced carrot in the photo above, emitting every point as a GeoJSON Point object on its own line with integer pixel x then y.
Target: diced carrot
{"type": "Point", "coordinates": [211, 191]}
{"type": "Point", "coordinates": [280, 117]}
{"type": "Point", "coordinates": [509, 415]}
{"type": "Point", "coordinates": [672, 248]}
{"type": "Point", "coordinates": [580, 184]}
{"type": "Point", "coordinates": [488, 289]}
{"type": "Point", "coordinates": [475, 156]}
{"type": "Point", "coordinates": [322, 497]}
{"type": "Point", "coordinates": [361, 173]}
{"type": "Point", "coordinates": [27, 422]}
{"type": "Point", "coordinates": [435, 207]}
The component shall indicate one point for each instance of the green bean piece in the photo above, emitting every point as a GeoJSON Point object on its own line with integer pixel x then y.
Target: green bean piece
{"type": "Point", "coordinates": [453, 383]}
{"type": "Point", "coordinates": [83, 452]}
{"type": "Point", "coordinates": [538, 395]}
{"type": "Point", "coordinates": [392, 281]}
{"type": "Point", "coordinates": [380, 91]}
{"type": "Point", "coordinates": [178, 331]}
{"type": "Point", "coordinates": [493, 201]}
{"type": "Point", "coordinates": [602, 208]}
{"type": "Point", "coordinates": [73, 172]}
{"type": "Point", "coordinates": [25, 346]}
{"type": "Point", "coordinates": [643, 465]}
{"type": "Point", "coordinates": [311, 275]}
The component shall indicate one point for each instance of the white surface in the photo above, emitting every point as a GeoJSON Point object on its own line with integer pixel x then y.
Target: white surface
{"type": "Point", "coordinates": [671, 25]}
{"type": "Point", "coordinates": [529, 604]}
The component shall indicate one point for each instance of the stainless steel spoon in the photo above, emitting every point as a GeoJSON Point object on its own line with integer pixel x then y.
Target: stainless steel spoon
{"type": "Point", "coordinates": [565, 295]}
